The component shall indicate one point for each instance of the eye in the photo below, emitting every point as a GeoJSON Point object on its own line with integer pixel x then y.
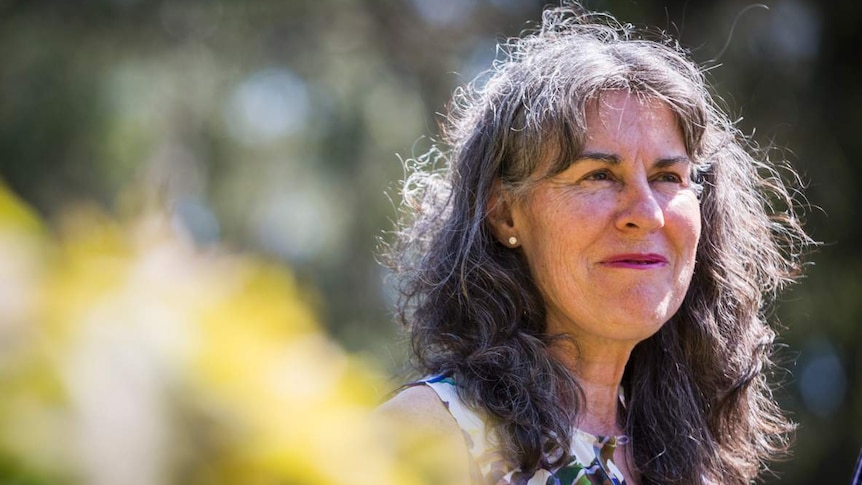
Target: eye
{"type": "Point", "coordinates": [598, 175]}
{"type": "Point", "coordinates": [670, 177]}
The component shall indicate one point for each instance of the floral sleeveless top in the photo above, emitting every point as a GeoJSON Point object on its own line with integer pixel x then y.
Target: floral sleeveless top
{"type": "Point", "coordinates": [592, 462]}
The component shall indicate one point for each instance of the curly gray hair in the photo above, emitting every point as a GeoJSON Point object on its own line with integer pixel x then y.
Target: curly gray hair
{"type": "Point", "coordinates": [699, 409]}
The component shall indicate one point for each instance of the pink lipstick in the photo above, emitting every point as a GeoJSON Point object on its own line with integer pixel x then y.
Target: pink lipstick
{"type": "Point", "coordinates": [636, 261]}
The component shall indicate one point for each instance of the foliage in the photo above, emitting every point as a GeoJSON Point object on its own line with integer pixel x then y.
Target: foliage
{"type": "Point", "coordinates": [129, 356]}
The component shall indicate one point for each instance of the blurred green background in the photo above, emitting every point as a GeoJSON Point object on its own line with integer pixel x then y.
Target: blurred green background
{"type": "Point", "coordinates": [276, 127]}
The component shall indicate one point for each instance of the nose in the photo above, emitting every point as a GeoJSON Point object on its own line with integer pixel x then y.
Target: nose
{"type": "Point", "coordinates": [638, 208]}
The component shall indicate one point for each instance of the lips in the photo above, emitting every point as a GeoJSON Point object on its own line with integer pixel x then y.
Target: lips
{"type": "Point", "coordinates": [636, 261]}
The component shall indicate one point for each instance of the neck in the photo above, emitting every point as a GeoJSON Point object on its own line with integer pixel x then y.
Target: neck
{"type": "Point", "coordinates": [599, 371]}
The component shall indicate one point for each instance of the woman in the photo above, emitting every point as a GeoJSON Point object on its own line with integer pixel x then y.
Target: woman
{"type": "Point", "coordinates": [586, 281]}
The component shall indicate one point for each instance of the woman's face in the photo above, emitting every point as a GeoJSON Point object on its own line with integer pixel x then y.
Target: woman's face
{"type": "Point", "coordinates": [611, 241]}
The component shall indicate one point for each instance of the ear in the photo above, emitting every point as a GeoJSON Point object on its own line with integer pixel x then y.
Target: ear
{"type": "Point", "coordinates": [498, 212]}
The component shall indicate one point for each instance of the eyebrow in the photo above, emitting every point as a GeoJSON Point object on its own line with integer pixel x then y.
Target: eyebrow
{"type": "Point", "coordinates": [613, 159]}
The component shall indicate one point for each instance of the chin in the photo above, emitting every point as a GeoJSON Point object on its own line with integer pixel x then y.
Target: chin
{"type": "Point", "coordinates": [646, 330]}
{"type": "Point", "coordinates": [653, 309]}
{"type": "Point", "coordinates": [640, 324]}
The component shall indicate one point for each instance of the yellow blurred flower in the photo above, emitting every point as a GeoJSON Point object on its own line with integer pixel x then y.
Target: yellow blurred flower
{"type": "Point", "coordinates": [130, 356]}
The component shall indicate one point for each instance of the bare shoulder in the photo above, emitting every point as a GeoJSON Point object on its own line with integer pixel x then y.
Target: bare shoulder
{"type": "Point", "coordinates": [426, 435]}
{"type": "Point", "coordinates": [420, 406]}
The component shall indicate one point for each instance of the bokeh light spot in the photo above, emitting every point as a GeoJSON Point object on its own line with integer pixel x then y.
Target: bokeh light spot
{"type": "Point", "coordinates": [823, 381]}
{"type": "Point", "coordinates": [444, 13]}
{"type": "Point", "coordinates": [268, 105]}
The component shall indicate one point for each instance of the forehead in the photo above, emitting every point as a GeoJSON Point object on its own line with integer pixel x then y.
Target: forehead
{"type": "Point", "coordinates": [597, 125]}
{"type": "Point", "coordinates": [618, 117]}
{"type": "Point", "coordinates": [615, 112]}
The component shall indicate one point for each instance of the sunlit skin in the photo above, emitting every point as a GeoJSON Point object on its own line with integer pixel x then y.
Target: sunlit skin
{"type": "Point", "coordinates": [610, 242]}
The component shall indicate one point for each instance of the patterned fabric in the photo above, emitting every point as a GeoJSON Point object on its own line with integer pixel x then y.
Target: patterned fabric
{"type": "Point", "coordinates": [592, 462]}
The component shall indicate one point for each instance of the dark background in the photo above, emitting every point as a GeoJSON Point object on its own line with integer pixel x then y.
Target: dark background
{"type": "Point", "coordinates": [277, 126]}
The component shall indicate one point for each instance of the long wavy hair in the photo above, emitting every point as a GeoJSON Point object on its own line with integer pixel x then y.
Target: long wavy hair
{"type": "Point", "coordinates": [699, 405]}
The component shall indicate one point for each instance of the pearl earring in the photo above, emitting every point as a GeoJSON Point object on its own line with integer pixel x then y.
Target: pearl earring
{"type": "Point", "coordinates": [513, 240]}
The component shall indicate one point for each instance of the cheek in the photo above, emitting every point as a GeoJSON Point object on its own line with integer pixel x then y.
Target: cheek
{"type": "Point", "coordinates": [545, 252]}
{"type": "Point", "coordinates": [684, 211]}
{"type": "Point", "coordinates": [694, 225]}
{"type": "Point", "coordinates": [552, 232]}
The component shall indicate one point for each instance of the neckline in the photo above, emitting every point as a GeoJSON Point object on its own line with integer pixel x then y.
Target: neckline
{"type": "Point", "coordinates": [601, 440]}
